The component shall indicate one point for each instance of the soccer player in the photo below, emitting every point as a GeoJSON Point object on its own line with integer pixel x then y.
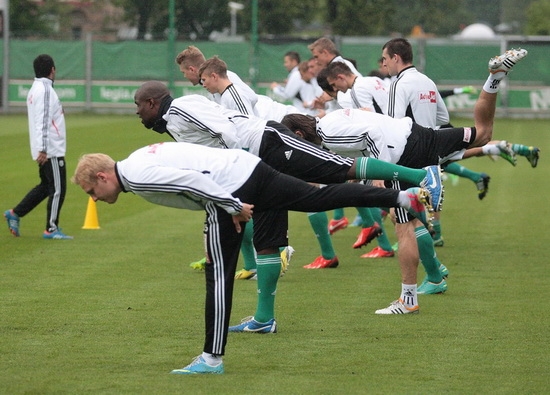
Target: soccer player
{"type": "Point", "coordinates": [230, 185]}
{"type": "Point", "coordinates": [404, 142]}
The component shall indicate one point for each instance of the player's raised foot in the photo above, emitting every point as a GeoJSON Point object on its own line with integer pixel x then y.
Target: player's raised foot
{"type": "Point", "coordinates": [198, 265]}
{"type": "Point", "coordinates": [56, 235]}
{"type": "Point", "coordinates": [433, 184]}
{"type": "Point", "coordinates": [443, 270]}
{"type": "Point", "coordinates": [249, 324]}
{"type": "Point", "coordinates": [482, 185]}
{"type": "Point", "coordinates": [367, 235]}
{"type": "Point", "coordinates": [439, 242]}
{"type": "Point", "coordinates": [286, 256]}
{"type": "Point", "coordinates": [420, 206]}
{"type": "Point", "coordinates": [13, 222]}
{"type": "Point", "coordinates": [397, 307]}
{"type": "Point", "coordinates": [199, 366]}
{"type": "Point", "coordinates": [322, 263]}
{"type": "Point", "coordinates": [334, 225]}
{"type": "Point", "coordinates": [507, 152]}
{"type": "Point", "coordinates": [429, 288]}
{"type": "Point", "coordinates": [505, 62]}
{"type": "Point", "coordinates": [378, 252]}
{"type": "Point", "coordinates": [533, 156]}
{"type": "Point", "coordinates": [244, 274]}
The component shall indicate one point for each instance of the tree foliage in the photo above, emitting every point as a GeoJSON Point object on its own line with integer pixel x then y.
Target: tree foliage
{"type": "Point", "coordinates": [27, 18]}
{"type": "Point", "coordinates": [279, 17]}
{"type": "Point", "coordinates": [197, 19]}
{"type": "Point", "coordinates": [538, 18]}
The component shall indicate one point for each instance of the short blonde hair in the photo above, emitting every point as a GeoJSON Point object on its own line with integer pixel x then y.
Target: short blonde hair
{"type": "Point", "coordinates": [191, 56]}
{"type": "Point", "coordinates": [89, 165]}
{"type": "Point", "coordinates": [324, 43]}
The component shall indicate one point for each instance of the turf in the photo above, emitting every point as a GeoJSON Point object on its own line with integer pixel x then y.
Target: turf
{"type": "Point", "coordinates": [115, 309]}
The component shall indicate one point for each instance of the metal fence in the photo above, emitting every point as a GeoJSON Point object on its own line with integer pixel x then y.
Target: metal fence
{"type": "Point", "coordinates": [94, 75]}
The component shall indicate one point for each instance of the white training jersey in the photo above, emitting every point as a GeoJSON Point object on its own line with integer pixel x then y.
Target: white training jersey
{"type": "Point", "coordinates": [271, 110]}
{"type": "Point", "coordinates": [234, 98]}
{"type": "Point", "coordinates": [47, 131]}
{"type": "Point", "coordinates": [291, 89]}
{"type": "Point", "coordinates": [243, 88]}
{"type": "Point", "coordinates": [197, 120]}
{"type": "Point", "coordinates": [353, 133]}
{"type": "Point", "coordinates": [187, 176]}
{"type": "Point", "coordinates": [413, 94]}
{"type": "Point", "coordinates": [250, 130]}
{"type": "Point", "coordinates": [369, 92]}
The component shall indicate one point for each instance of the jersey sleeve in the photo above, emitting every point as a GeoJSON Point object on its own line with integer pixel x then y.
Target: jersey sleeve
{"type": "Point", "coordinates": [442, 117]}
{"type": "Point", "coordinates": [40, 118]}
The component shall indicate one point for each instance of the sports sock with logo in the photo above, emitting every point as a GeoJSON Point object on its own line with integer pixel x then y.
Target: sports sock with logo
{"type": "Point", "coordinates": [409, 296]}
{"type": "Point", "coordinates": [268, 270]}
{"type": "Point", "coordinates": [374, 169]}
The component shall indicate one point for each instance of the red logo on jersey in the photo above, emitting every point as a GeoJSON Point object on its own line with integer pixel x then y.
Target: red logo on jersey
{"type": "Point", "coordinates": [346, 111]}
{"type": "Point", "coordinates": [427, 97]}
{"type": "Point", "coordinates": [152, 149]}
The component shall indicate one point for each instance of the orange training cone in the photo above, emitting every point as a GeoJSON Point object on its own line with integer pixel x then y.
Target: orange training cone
{"type": "Point", "coordinates": [91, 221]}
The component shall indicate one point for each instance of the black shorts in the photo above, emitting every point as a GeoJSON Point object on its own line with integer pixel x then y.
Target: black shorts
{"type": "Point", "coordinates": [426, 147]}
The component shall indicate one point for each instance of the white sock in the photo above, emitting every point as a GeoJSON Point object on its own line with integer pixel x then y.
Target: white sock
{"type": "Point", "coordinates": [212, 360]}
{"type": "Point", "coordinates": [490, 149]}
{"type": "Point", "coordinates": [408, 295]}
{"type": "Point", "coordinates": [493, 82]}
{"type": "Point", "coordinates": [403, 200]}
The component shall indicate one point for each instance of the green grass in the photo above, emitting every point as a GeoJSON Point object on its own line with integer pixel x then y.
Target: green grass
{"type": "Point", "coordinates": [115, 309]}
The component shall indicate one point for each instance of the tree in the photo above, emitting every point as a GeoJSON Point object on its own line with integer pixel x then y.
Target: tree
{"type": "Point", "coordinates": [279, 17]}
{"type": "Point", "coordinates": [142, 13]}
{"type": "Point", "coordinates": [27, 18]}
{"type": "Point", "coordinates": [359, 18]}
{"type": "Point", "coordinates": [439, 17]}
{"type": "Point", "coordinates": [538, 18]}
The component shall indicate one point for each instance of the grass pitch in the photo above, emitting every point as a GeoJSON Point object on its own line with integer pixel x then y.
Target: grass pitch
{"type": "Point", "coordinates": [115, 309]}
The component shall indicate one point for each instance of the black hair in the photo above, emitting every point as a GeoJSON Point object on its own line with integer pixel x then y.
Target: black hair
{"type": "Point", "coordinates": [43, 65]}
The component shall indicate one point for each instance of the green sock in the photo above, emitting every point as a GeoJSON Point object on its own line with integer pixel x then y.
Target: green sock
{"type": "Point", "coordinates": [437, 229]}
{"type": "Point", "coordinates": [247, 247]}
{"type": "Point", "coordinates": [338, 213]}
{"type": "Point", "coordinates": [366, 216]}
{"type": "Point", "coordinates": [521, 149]}
{"type": "Point", "coordinates": [268, 270]}
{"type": "Point", "coordinates": [319, 224]}
{"type": "Point", "coordinates": [455, 168]}
{"type": "Point", "coordinates": [382, 240]}
{"type": "Point", "coordinates": [427, 254]}
{"type": "Point", "coordinates": [374, 169]}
